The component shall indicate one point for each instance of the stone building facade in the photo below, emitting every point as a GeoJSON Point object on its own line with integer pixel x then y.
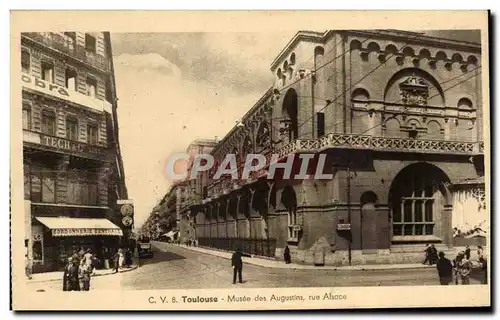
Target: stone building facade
{"type": "Point", "coordinates": [73, 170]}
{"type": "Point", "coordinates": [399, 117]}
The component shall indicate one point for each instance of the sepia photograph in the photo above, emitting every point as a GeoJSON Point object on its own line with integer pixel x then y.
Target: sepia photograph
{"type": "Point", "coordinates": [205, 168]}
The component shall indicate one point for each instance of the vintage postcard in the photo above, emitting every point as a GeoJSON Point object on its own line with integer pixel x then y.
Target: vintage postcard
{"type": "Point", "coordinates": [249, 160]}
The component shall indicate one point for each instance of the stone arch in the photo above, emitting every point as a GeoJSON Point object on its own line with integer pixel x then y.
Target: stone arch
{"type": "Point", "coordinates": [392, 91]}
{"type": "Point", "coordinates": [368, 197]}
{"type": "Point", "coordinates": [434, 130]}
{"type": "Point", "coordinates": [392, 128]}
{"type": "Point", "coordinates": [247, 146]}
{"type": "Point", "coordinates": [233, 207]}
{"type": "Point", "coordinates": [391, 49]}
{"type": "Point", "coordinates": [289, 198]}
{"type": "Point", "coordinates": [259, 200]}
{"type": "Point", "coordinates": [289, 201]}
{"type": "Point", "coordinates": [272, 202]}
{"type": "Point", "coordinates": [360, 94]}
{"type": "Point", "coordinates": [373, 47]}
{"type": "Point", "coordinates": [244, 204]}
{"type": "Point", "coordinates": [441, 55]}
{"type": "Point", "coordinates": [355, 45]}
{"type": "Point", "coordinates": [319, 51]}
{"type": "Point", "coordinates": [418, 196]}
{"type": "Point", "coordinates": [408, 52]}
{"type": "Point", "coordinates": [263, 135]}
{"type": "Point", "coordinates": [457, 57]}
{"type": "Point", "coordinates": [413, 122]}
{"type": "Point", "coordinates": [289, 112]}
{"type": "Point", "coordinates": [465, 103]}
{"type": "Point", "coordinates": [472, 59]}
{"type": "Point", "coordinates": [424, 54]}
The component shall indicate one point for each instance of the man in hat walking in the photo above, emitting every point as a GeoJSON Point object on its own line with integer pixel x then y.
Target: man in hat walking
{"type": "Point", "coordinates": [237, 264]}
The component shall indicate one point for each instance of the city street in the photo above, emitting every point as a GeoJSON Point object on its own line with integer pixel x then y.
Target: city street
{"type": "Point", "coordinates": [174, 267]}
{"type": "Point", "coordinates": [180, 268]}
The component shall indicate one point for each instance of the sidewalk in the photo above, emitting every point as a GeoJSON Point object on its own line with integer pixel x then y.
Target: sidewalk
{"type": "Point", "coordinates": [269, 263]}
{"type": "Point", "coordinates": [58, 275]}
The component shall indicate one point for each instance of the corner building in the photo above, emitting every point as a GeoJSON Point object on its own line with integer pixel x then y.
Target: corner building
{"type": "Point", "coordinates": [398, 116]}
{"type": "Point", "coordinates": [73, 170]}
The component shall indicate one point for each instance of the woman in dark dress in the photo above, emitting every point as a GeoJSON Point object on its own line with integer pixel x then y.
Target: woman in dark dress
{"type": "Point", "coordinates": [286, 255]}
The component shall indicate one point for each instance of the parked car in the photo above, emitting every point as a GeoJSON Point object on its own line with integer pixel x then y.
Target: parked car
{"type": "Point", "coordinates": [144, 247]}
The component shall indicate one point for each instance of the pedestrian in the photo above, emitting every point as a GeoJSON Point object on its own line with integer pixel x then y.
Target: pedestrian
{"type": "Point", "coordinates": [427, 249]}
{"type": "Point", "coordinates": [464, 269]}
{"type": "Point", "coordinates": [121, 258]}
{"type": "Point", "coordinates": [433, 256]}
{"type": "Point", "coordinates": [67, 269]}
{"type": "Point", "coordinates": [84, 275]}
{"type": "Point", "coordinates": [76, 257]}
{"type": "Point", "coordinates": [116, 261]}
{"type": "Point", "coordinates": [286, 255]}
{"type": "Point", "coordinates": [71, 276]}
{"type": "Point", "coordinates": [445, 269]}
{"type": "Point", "coordinates": [467, 252]}
{"type": "Point", "coordinates": [87, 257]}
{"type": "Point", "coordinates": [128, 257]}
{"type": "Point", "coordinates": [237, 264]}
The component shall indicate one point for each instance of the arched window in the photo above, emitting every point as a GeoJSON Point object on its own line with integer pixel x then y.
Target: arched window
{"type": "Point", "coordinates": [416, 195]}
{"type": "Point", "coordinates": [292, 59]}
{"type": "Point", "coordinates": [464, 103]}
{"type": "Point", "coordinates": [263, 135]}
{"type": "Point", "coordinates": [360, 94]}
{"type": "Point", "coordinates": [318, 57]}
{"type": "Point", "coordinates": [289, 200]}
{"type": "Point", "coordinates": [289, 126]}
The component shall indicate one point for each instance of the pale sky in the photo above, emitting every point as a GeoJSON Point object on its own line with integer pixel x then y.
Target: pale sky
{"type": "Point", "coordinates": [174, 88]}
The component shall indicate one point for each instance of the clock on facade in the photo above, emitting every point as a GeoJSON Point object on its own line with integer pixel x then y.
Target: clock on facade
{"type": "Point", "coordinates": [127, 221]}
{"type": "Point", "coordinates": [127, 210]}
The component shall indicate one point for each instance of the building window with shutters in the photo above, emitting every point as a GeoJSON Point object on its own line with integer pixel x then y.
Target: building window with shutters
{"type": "Point", "coordinates": [71, 38]}
{"type": "Point", "coordinates": [26, 116]}
{"type": "Point", "coordinates": [49, 122]}
{"type": "Point", "coordinates": [71, 76]}
{"type": "Point", "coordinates": [25, 60]}
{"type": "Point", "coordinates": [71, 128]}
{"type": "Point", "coordinates": [48, 186]}
{"type": "Point", "coordinates": [48, 71]}
{"type": "Point", "coordinates": [91, 87]}
{"type": "Point", "coordinates": [90, 43]}
{"type": "Point", "coordinates": [92, 133]}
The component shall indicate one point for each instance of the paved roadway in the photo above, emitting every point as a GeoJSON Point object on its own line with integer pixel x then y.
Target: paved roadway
{"type": "Point", "coordinates": [175, 267]}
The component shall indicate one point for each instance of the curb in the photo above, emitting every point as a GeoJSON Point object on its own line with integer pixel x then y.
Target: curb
{"type": "Point", "coordinates": [311, 267]}
{"type": "Point", "coordinates": [96, 275]}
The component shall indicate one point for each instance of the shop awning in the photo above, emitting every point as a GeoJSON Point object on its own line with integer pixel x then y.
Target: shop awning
{"type": "Point", "coordinates": [71, 227]}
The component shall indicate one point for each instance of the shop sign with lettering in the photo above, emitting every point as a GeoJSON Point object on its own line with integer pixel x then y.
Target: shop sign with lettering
{"type": "Point", "coordinates": [63, 144]}
{"type": "Point", "coordinates": [37, 84]}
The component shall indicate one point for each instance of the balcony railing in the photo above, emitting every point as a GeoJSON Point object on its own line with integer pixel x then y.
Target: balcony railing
{"type": "Point", "coordinates": [354, 141]}
{"type": "Point", "coordinates": [68, 46]}
{"type": "Point", "coordinates": [224, 185]}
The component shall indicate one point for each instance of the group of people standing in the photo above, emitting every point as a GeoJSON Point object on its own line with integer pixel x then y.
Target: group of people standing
{"type": "Point", "coordinates": [78, 271]}
{"type": "Point", "coordinates": [460, 268]}
{"type": "Point", "coordinates": [122, 258]}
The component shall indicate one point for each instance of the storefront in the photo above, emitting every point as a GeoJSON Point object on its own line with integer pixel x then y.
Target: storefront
{"type": "Point", "coordinates": [57, 238]}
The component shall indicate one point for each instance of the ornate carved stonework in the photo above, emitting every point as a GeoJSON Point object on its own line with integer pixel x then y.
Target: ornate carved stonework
{"type": "Point", "coordinates": [414, 91]}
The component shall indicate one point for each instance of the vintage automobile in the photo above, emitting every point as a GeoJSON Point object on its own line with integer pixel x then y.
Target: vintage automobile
{"type": "Point", "coordinates": [144, 247]}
